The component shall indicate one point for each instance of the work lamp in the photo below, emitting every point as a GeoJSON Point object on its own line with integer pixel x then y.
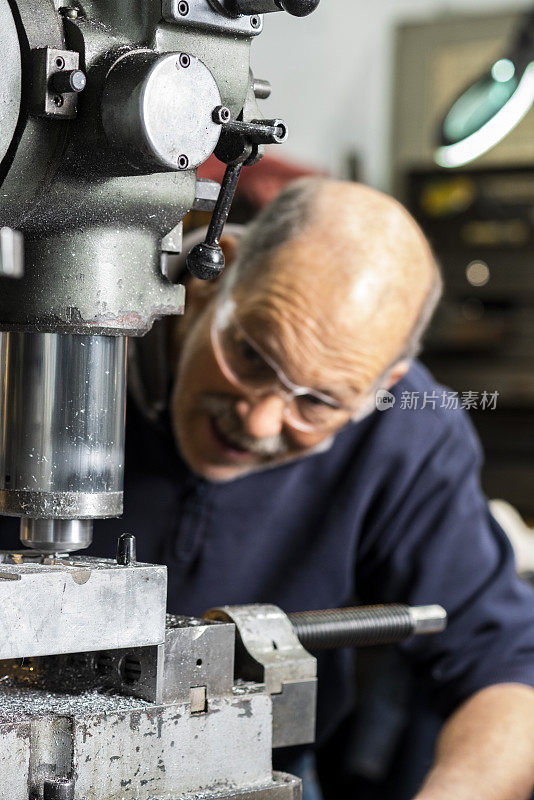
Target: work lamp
{"type": "Point", "coordinates": [493, 105]}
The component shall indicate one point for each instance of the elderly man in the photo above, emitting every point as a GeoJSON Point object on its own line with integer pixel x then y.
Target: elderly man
{"type": "Point", "coordinates": [272, 477]}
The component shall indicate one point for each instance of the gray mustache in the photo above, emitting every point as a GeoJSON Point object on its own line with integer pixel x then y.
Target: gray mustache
{"type": "Point", "coordinates": [221, 408]}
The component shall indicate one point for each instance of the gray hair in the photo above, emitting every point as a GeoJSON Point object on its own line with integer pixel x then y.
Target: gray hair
{"type": "Point", "coordinates": [276, 224]}
{"type": "Point", "coordinates": [285, 218]}
{"type": "Point", "coordinates": [413, 345]}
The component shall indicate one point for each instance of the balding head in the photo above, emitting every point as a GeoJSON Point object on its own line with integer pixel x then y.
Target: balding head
{"type": "Point", "coordinates": [332, 286]}
{"type": "Point", "coordinates": [353, 256]}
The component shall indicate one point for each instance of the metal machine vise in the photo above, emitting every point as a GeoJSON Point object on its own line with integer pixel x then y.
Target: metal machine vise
{"type": "Point", "coordinates": [105, 697]}
{"type": "Point", "coordinates": [112, 699]}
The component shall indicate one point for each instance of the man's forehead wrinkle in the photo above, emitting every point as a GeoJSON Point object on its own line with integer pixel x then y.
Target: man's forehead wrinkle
{"type": "Point", "coordinates": [313, 351]}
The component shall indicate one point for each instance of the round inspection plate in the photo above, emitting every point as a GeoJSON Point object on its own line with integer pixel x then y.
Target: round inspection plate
{"type": "Point", "coordinates": [10, 70]}
{"type": "Point", "coordinates": [177, 102]}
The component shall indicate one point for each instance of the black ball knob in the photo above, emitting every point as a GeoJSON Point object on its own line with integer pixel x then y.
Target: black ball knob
{"type": "Point", "coordinates": [299, 8]}
{"type": "Point", "coordinates": [205, 261]}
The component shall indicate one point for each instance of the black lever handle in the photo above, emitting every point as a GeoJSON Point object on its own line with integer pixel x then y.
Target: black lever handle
{"type": "Point", "coordinates": [238, 146]}
{"type": "Point", "coordinates": [206, 260]}
{"type": "Point", "coordinates": [297, 8]}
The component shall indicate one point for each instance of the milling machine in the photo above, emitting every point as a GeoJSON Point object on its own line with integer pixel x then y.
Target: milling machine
{"type": "Point", "coordinates": [107, 109]}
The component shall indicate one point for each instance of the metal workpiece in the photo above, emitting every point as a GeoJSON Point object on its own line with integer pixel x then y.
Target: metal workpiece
{"type": "Point", "coordinates": [366, 625]}
{"type": "Point", "coordinates": [11, 253]}
{"type": "Point", "coordinates": [158, 109]}
{"type": "Point", "coordinates": [56, 535]}
{"type": "Point", "coordinates": [72, 605]}
{"type": "Point", "coordinates": [62, 410]}
{"type": "Point", "coordinates": [195, 655]}
{"type": "Point", "coordinates": [122, 748]}
{"type": "Point", "coordinates": [201, 14]}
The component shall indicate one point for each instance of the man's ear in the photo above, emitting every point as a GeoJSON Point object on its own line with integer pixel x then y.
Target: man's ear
{"type": "Point", "coordinates": [397, 372]}
{"type": "Point", "coordinates": [229, 246]}
{"type": "Point", "coordinates": [199, 293]}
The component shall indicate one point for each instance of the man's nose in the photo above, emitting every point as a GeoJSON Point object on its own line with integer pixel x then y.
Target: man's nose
{"type": "Point", "coordinates": [262, 417]}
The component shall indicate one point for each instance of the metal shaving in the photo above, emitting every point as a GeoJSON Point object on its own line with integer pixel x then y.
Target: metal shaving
{"type": "Point", "coordinates": [18, 704]}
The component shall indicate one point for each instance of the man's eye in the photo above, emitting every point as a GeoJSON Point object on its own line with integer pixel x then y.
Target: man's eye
{"type": "Point", "coordinates": [248, 354]}
{"type": "Point", "coordinates": [311, 400]}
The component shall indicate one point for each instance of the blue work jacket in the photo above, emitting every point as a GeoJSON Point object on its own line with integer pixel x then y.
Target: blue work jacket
{"type": "Point", "coordinates": [391, 512]}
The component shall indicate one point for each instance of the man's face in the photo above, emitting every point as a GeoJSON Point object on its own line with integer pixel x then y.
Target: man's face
{"type": "Point", "coordinates": [225, 431]}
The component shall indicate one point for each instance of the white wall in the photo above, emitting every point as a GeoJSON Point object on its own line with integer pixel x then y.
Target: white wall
{"type": "Point", "coordinates": [331, 76]}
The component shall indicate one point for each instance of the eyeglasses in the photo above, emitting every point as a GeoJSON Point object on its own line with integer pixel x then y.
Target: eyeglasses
{"type": "Point", "coordinates": [246, 365]}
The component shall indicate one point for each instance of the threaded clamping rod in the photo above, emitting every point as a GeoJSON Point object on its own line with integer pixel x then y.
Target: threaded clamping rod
{"type": "Point", "coordinates": [365, 625]}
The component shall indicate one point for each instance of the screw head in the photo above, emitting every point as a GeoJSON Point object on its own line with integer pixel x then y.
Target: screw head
{"type": "Point", "coordinates": [58, 100]}
{"type": "Point", "coordinates": [69, 13]}
{"type": "Point", "coordinates": [60, 62]}
{"type": "Point", "coordinates": [255, 22]}
{"type": "Point", "coordinates": [183, 162]}
{"type": "Point", "coordinates": [185, 60]}
{"type": "Point", "coordinates": [221, 115]}
{"type": "Point", "coordinates": [183, 8]}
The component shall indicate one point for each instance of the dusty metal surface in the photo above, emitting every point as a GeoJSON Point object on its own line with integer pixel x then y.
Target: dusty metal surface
{"type": "Point", "coordinates": [92, 220]}
{"type": "Point", "coordinates": [146, 93]}
{"type": "Point", "coordinates": [120, 748]}
{"type": "Point", "coordinates": [200, 14]}
{"type": "Point", "coordinates": [78, 604]}
{"type": "Point", "coordinates": [272, 652]}
{"type": "Point", "coordinates": [195, 654]}
{"type": "Point", "coordinates": [18, 703]}
{"type": "Point", "coordinates": [268, 651]}
{"type": "Point", "coordinates": [10, 90]}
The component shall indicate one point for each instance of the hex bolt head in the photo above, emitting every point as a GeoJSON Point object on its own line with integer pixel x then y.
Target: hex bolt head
{"type": "Point", "coordinates": [183, 8]}
{"type": "Point", "coordinates": [184, 60]}
{"type": "Point", "coordinates": [221, 115]}
{"type": "Point", "coordinates": [183, 161]}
